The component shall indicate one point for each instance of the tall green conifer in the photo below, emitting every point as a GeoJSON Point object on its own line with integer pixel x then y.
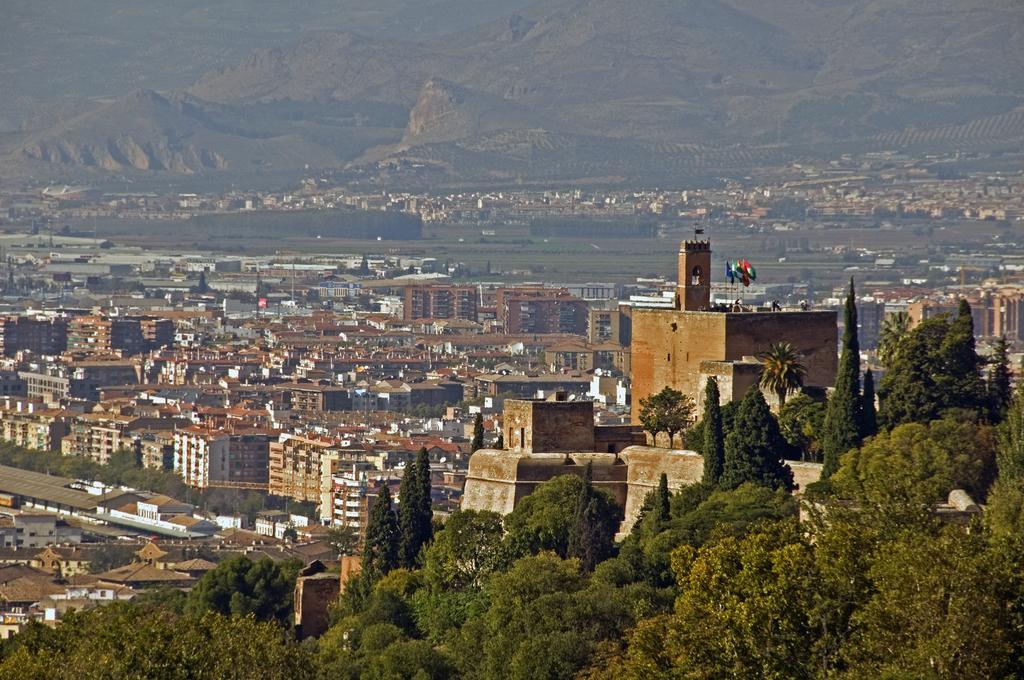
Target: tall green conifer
{"type": "Point", "coordinates": [755, 446]}
{"type": "Point", "coordinates": [842, 418]}
{"type": "Point", "coordinates": [960, 378]}
{"type": "Point", "coordinates": [714, 438]}
{"type": "Point", "coordinates": [380, 549]}
{"type": "Point", "coordinates": [663, 500]}
{"type": "Point", "coordinates": [998, 384]}
{"type": "Point", "coordinates": [591, 536]}
{"type": "Point", "coordinates": [415, 512]}
{"type": "Point", "coordinates": [868, 415]}
{"type": "Point", "coordinates": [478, 433]}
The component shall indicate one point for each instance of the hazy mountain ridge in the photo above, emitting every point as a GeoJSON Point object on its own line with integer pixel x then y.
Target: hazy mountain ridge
{"type": "Point", "coordinates": [713, 73]}
{"type": "Point", "coordinates": [147, 131]}
{"type": "Point", "coordinates": [594, 63]}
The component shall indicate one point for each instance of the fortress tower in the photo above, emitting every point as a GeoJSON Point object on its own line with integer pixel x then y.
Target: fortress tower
{"type": "Point", "coordinates": [682, 347]}
{"type": "Point", "coordinates": [693, 292]}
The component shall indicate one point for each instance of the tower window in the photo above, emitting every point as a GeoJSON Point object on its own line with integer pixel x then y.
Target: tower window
{"type": "Point", "coordinates": [696, 276]}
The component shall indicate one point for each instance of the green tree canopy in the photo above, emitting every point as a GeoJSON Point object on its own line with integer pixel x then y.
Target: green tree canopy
{"type": "Point", "coordinates": [466, 551]}
{"type": "Point", "coordinates": [544, 520]}
{"type": "Point", "coordinates": [1006, 502]}
{"type": "Point", "coordinates": [1011, 439]}
{"type": "Point", "coordinates": [936, 612]}
{"type": "Point", "coordinates": [543, 621]}
{"type": "Point", "coordinates": [868, 410]}
{"type": "Point", "coordinates": [592, 535]}
{"type": "Point", "coordinates": [894, 329]}
{"type": "Point", "coordinates": [937, 370]}
{"type": "Point", "coordinates": [107, 556]}
{"type": "Point", "coordinates": [742, 611]}
{"type": "Point", "coordinates": [669, 411]}
{"type": "Point", "coordinates": [903, 473]}
{"type": "Point", "coordinates": [755, 447]}
{"type": "Point", "coordinates": [242, 587]}
{"type": "Point", "coordinates": [121, 640]}
{"type": "Point", "coordinates": [801, 422]}
{"type": "Point", "coordinates": [960, 380]}
{"type": "Point", "coordinates": [344, 540]}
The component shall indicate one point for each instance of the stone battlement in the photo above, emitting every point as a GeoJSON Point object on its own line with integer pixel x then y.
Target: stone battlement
{"type": "Point", "coordinates": [693, 246]}
{"type": "Point", "coordinates": [498, 480]}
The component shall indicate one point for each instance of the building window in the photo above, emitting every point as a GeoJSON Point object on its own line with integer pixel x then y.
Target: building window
{"type": "Point", "coordinates": [696, 276]}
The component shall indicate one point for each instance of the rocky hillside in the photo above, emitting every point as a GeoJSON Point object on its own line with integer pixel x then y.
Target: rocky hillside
{"type": "Point", "coordinates": [598, 76]}
{"type": "Point", "coordinates": [147, 131]}
{"type": "Point", "coordinates": [445, 112]}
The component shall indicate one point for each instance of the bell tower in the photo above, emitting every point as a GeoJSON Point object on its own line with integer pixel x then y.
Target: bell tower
{"type": "Point", "coordinates": [694, 289]}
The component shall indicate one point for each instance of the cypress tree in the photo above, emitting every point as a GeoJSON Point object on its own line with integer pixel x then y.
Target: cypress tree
{"type": "Point", "coordinates": [408, 506]}
{"type": "Point", "coordinates": [998, 385]}
{"type": "Point", "coordinates": [478, 433]}
{"type": "Point", "coordinates": [663, 499]}
{"type": "Point", "coordinates": [842, 418]}
{"type": "Point", "coordinates": [380, 549]}
{"type": "Point", "coordinates": [868, 417]}
{"type": "Point", "coordinates": [714, 437]}
{"type": "Point", "coordinates": [592, 534]}
{"type": "Point", "coordinates": [579, 530]}
{"type": "Point", "coordinates": [600, 536]}
{"type": "Point", "coordinates": [910, 391]}
{"type": "Point", "coordinates": [425, 516]}
{"type": "Point", "coordinates": [959, 380]}
{"type": "Point", "coordinates": [755, 446]}
{"type": "Point", "coordinates": [415, 512]}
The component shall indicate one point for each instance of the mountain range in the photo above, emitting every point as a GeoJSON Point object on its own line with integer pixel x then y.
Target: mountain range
{"type": "Point", "coordinates": [574, 90]}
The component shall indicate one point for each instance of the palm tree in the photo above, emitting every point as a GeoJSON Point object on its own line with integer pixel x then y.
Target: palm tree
{"type": "Point", "coordinates": [781, 370]}
{"type": "Point", "coordinates": [890, 336]}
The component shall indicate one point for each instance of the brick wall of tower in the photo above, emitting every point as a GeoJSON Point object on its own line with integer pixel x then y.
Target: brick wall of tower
{"type": "Point", "coordinates": [669, 345]}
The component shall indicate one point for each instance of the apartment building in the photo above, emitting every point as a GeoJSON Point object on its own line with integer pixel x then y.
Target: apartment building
{"type": "Point", "coordinates": [97, 436]}
{"type": "Point", "coordinates": [350, 497]}
{"type": "Point", "coordinates": [440, 302]}
{"type": "Point", "coordinates": [540, 310]}
{"type": "Point", "coordinates": [131, 335]}
{"type": "Point", "coordinates": [156, 448]}
{"type": "Point", "coordinates": [609, 325]}
{"type": "Point", "coordinates": [39, 335]}
{"type": "Point", "coordinates": [87, 377]}
{"type": "Point", "coordinates": [29, 425]}
{"type": "Point", "coordinates": [46, 385]}
{"type": "Point", "coordinates": [301, 468]}
{"type": "Point", "coordinates": [210, 457]}
{"type": "Point", "coordinates": [311, 398]}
